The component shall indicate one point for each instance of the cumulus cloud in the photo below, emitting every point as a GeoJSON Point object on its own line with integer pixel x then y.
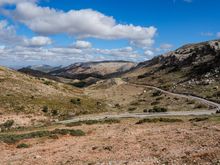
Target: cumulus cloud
{"type": "Point", "coordinates": [38, 41]}
{"type": "Point", "coordinates": [82, 44]}
{"type": "Point", "coordinates": [83, 23]}
{"type": "Point", "coordinates": [64, 55]}
{"type": "Point", "coordinates": [8, 36]}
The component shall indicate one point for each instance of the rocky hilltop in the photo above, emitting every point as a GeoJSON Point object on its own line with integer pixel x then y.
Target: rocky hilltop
{"type": "Point", "coordinates": [193, 68]}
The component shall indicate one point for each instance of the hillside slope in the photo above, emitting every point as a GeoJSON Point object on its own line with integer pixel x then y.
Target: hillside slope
{"type": "Point", "coordinates": [20, 93]}
{"type": "Point", "coordinates": [193, 69]}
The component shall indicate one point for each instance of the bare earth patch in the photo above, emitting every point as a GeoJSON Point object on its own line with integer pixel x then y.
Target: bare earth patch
{"type": "Point", "coordinates": [23, 120]}
{"type": "Point", "coordinates": [124, 143]}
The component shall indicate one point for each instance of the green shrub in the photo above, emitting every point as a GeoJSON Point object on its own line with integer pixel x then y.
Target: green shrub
{"type": "Point", "coordinates": [132, 109]}
{"type": "Point", "coordinates": [23, 145]}
{"type": "Point", "coordinates": [199, 119]}
{"type": "Point", "coordinates": [77, 133]}
{"type": "Point", "coordinates": [48, 83]}
{"type": "Point", "coordinates": [8, 124]}
{"type": "Point", "coordinates": [157, 93]}
{"type": "Point", "coordinates": [145, 111]}
{"type": "Point", "coordinates": [76, 101]}
{"type": "Point", "coordinates": [45, 109]}
{"type": "Point", "coordinates": [13, 138]}
{"type": "Point", "coordinates": [157, 109]}
{"type": "Point", "coordinates": [91, 122]}
{"type": "Point", "coordinates": [156, 120]}
{"type": "Point", "coordinates": [55, 112]}
{"type": "Point", "coordinates": [73, 124]}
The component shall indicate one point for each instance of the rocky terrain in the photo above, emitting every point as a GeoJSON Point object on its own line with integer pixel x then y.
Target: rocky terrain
{"type": "Point", "coordinates": [192, 69]}
{"type": "Point", "coordinates": [186, 141]}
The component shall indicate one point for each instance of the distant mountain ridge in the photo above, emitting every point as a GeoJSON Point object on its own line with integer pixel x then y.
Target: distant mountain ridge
{"type": "Point", "coordinates": [44, 68]}
{"type": "Point", "coordinates": [99, 69]}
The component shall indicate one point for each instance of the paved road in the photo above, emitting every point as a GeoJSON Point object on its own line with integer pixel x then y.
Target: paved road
{"type": "Point", "coordinates": [207, 102]}
{"type": "Point", "coordinates": [145, 115]}
{"type": "Point", "coordinates": [137, 115]}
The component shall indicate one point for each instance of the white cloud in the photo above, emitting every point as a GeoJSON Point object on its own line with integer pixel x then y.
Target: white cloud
{"type": "Point", "coordinates": [218, 34]}
{"type": "Point", "coordinates": [11, 2]}
{"type": "Point", "coordinates": [80, 23]}
{"type": "Point", "coordinates": [38, 41]}
{"type": "Point", "coordinates": [149, 53]}
{"type": "Point", "coordinates": [64, 55]}
{"type": "Point", "coordinates": [8, 34]}
{"type": "Point", "coordinates": [82, 44]}
{"type": "Point", "coordinates": [166, 46]}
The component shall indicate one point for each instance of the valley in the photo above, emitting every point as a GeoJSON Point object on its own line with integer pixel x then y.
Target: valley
{"type": "Point", "coordinates": [115, 112]}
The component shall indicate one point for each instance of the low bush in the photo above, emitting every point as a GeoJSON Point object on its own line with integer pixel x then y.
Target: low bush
{"type": "Point", "coordinates": [156, 109]}
{"type": "Point", "coordinates": [23, 145]}
{"type": "Point", "coordinates": [157, 93]}
{"type": "Point", "coordinates": [200, 106]}
{"type": "Point", "coordinates": [91, 122]}
{"type": "Point", "coordinates": [156, 120]}
{"type": "Point", "coordinates": [131, 109]}
{"type": "Point", "coordinates": [48, 83]}
{"type": "Point", "coordinates": [13, 138]}
{"type": "Point", "coordinates": [199, 119]}
{"type": "Point", "coordinates": [77, 133]}
{"type": "Point", "coordinates": [76, 101]}
{"type": "Point", "coordinates": [45, 109]}
{"type": "Point", "coordinates": [8, 124]}
{"type": "Point", "coordinates": [55, 112]}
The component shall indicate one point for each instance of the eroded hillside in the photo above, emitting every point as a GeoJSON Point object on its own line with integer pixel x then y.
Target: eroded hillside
{"type": "Point", "coordinates": [192, 69]}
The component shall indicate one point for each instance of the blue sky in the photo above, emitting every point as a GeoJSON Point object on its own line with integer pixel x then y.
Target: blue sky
{"type": "Point", "coordinates": [63, 32]}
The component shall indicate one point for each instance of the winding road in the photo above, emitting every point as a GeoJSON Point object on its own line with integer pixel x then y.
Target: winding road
{"type": "Point", "coordinates": [202, 100]}
{"type": "Point", "coordinates": [145, 115]}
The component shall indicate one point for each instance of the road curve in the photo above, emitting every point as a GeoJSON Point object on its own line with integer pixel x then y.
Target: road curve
{"type": "Point", "coordinates": [145, 115]}
{"type": "Point", "coordinates": [202, 100]}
